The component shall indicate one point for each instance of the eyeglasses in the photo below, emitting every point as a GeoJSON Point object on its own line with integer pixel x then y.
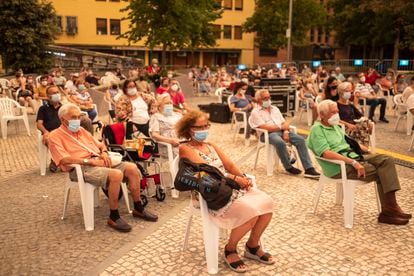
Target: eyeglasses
{"type": "Point", "coordinates": [207, 126]}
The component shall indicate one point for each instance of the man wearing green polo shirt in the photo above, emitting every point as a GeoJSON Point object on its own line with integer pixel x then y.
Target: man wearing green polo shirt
{"type": "Point", "coordinates": [327, 140]}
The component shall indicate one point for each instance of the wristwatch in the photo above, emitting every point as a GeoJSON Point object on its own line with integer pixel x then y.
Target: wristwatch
{"type": "Point", "coordinates": [85, 161]}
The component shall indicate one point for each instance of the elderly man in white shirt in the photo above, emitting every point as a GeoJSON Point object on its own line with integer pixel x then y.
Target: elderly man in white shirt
{"type": "Point", "coordinates": [366, 91]}
{"type": "Point", "coordinates": [269, 117]}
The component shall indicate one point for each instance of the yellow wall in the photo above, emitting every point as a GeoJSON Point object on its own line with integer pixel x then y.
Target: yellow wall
{"type": "Point", "coordinates": [87, 11]}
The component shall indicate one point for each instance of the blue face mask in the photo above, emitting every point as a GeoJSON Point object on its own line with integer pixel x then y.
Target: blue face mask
{"type": "Point", "coordinates": [168, 109]}
{"type": "Point", "coordinates": [81, 87]}
{"type": "Point", "coordinates": [200, 135]}
{"type": "Point", "coordinates": [74, 125]}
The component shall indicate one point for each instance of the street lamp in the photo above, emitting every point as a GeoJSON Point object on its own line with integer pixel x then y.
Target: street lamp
{"type": "Point", "coordinates": [289, 33]}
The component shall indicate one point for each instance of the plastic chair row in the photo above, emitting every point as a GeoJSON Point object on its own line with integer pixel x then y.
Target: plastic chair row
{"type": "Point", "coordinates": [8, 112]}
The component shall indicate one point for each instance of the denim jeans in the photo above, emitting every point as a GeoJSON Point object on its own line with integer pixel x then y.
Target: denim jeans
{"type": "Point", "coordinates": [275, 139]}
{"type": "Point", "coordinates": [373, 103]}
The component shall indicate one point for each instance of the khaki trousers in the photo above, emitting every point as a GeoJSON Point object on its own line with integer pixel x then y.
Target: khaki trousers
{"type": "Point", "coordinates": [379, 168]}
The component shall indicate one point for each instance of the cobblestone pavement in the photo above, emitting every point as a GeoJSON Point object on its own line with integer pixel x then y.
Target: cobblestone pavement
{"type": "Point", "coordinates": [34, 240]}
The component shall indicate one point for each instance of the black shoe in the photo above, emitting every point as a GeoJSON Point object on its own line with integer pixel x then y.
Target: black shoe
{"type": "Point", "coordinates": [372, 120]}
{"type": "Point", "coordinates": [119, 225]}
{"type": "Point", "coordinates": [384, 120]}
{"type": "Point", "coordinates": [145, 215]}
{"type": "Point", "coordinates": [293, 170]}
{"type": "Point", "coordinates": [312, 173]}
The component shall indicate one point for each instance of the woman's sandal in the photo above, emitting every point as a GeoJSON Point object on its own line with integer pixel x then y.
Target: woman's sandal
{"type": "Point", "coordinates": [235, 266]}
{"type": "Point", "coordinates": [250, 253]}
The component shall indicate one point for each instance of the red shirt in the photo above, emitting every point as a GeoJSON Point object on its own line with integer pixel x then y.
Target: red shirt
{"type": "Point", "coordinates": [161, 90]}
{"type": "Point", "coordinates": [177, 98]}
{"type": "Point", "coordinates": [372, 79]}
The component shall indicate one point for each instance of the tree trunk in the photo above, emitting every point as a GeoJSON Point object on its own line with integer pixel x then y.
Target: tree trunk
{"type": "Point", "coordinates": [396, 51]}
{"type": "Point", "coordinates": [192, 57]}
{"type": "Point", "coordinates": [364, 53]}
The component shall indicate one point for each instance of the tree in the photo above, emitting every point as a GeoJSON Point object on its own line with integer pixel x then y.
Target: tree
{"type": "Point", "coordinates": [375, 23]}
{"type": "Point", "coordinates": [270, 21]}
{"type": "Point", "coordinates": [26, 28]}
{"type": "Point", "coordinates": [171, 24]}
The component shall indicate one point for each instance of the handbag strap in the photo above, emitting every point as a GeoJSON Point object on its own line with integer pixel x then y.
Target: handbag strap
{"type": "Point", "coordinates": [81, 144]}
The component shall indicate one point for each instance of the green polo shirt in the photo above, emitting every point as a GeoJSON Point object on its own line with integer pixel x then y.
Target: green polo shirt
{"type": "Point", "coordinates": [323, 138]}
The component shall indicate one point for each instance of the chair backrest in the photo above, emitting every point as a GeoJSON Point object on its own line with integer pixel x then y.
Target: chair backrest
{"type": "Point", "coordinates": [398, 101]}
{"type": "Point", "coordinates": [114, 134]}
{"type": "Point", "coordinates": [4, 83]}
{"type": "Point", "coordinates": [7, 106]}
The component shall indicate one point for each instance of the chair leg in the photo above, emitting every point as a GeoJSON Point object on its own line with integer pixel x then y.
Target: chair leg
{"type": "Point", "coordinates": [87, 195]}
{"type": "Point", "coordinates": [412, 143]}
{"type": "Point", "coordinates": [188, 226]}
{"type": "Point", "coordinates": [348, 190]}
{"type": "Point", "coordinates": [126, 196]}
{"type": "Point", "coordinates": [43, 156]}
{"type": "Point", "coordinates": [318, 193]}
{"type": "Point", "coordinates": [26, 124]}
{"type": "Point", "coordinates": [257, 156]}
{"type": "Point", "coordinates": [66, 199]}
{"type": "Point", "coordinates": [269, 160]}
{"type": "Point", "coordinates": [396, 122]}
{"type": "Point", "coordinates": [339, 194]}
{"type": "Point", "coordinates": [211, 240]}
{"type": "Point", "coordinates": [4, 129]}
{"type": "Point", "coordinates": [379, 207]}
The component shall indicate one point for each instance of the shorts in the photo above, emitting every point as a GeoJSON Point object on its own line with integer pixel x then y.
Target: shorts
{"type": "Point", "coordinates": [97, 176]}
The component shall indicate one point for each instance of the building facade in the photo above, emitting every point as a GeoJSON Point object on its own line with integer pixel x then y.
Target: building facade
{"type": "Point", "coordinates": [95, 25]}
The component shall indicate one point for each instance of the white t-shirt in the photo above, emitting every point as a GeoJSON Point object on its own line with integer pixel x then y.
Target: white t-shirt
{"type": "Point", "coordinates": [407, 93]}
{"type": "Point", "coordinates": [164, 124]}
{"type": "Point", "coordinates": [139, 111]}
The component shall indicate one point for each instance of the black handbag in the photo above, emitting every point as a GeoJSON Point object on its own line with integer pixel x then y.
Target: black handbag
{"type": "Point", "coordinates": [355, 147]}
{"type": "Point", "coordinates": [214, 187]}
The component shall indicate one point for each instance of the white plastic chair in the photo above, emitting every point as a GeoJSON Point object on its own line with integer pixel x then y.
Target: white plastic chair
{"type": "Point", "coordinates": [238, 124]}
{"type": "Point", "coordinates": [166, 154]}
{"type": "Point", "coordinates": [219, 93]}
{"type": "Point", "coordinates": [44, 156]}
{"type": "Point", "coordinates": [7, 113]}
{"type": "Point", "coordinates": [211, 232]}
{"type": "Point", "coordinates": [89, 197]}
{"type": "Point", "coordinates": [6, 87]}
{"type": "Point", "coordinates": [386, 93]}
{"type": "Point", "coordinates": [308, 110]}
{"type": "Point", "coordinates": [403, 113]}
{"type": "Point", "coordinates": [412, 143]}
{"type": "Point", "coordinates": [344, 191]}
{"type": "Point", "coordinates": [272, 159]}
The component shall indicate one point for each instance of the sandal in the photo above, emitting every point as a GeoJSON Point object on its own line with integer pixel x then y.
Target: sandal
{"type": "Point", "coordinates": [235, 266]}
{"type": "Point", "coordinates": [250, 253]}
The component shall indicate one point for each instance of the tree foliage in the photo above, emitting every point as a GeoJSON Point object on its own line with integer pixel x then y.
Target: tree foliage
{"type": "Point", "coordinates": [26, 28]}
{"type": "Point", "coordinates": [374, 23]}
{"type": "Point", "coordinates": [171, 24]}
{"type": "Point", "coordinates": [270, 21]}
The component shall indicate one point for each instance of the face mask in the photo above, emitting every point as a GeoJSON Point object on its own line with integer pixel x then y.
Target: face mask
{"type": "Point", "coordinates": [74, 125]}
{"type": "Point", "coordinates": [309, 86]}
{"type": "Point", "coordinates": [132, 91]}
{"type": "Point", "coordinates": [266, 104]}
{"type": "Point", "coordinates": [334, 120]}
{"type": "Point", "coordinates": [170, 76]}
{"type": "Point", "coordinates": [44, 83]}
{"type": "Point", "coordinates": [81, 87]}
{"type": "Point", "coordinates": [174, 87]}
{"type": "Point", "coordinates": [114, 87]}
{"type": "Point", "coordinates": [200, 135]}
{"type": "Point", "coordinates": [55, 98]}
{"type": "Point", "coordinates": [362, 79]}
{"type": "Point", "coordinates": [347, 95]}
{"type": "Point", "coordinates": [168, 109]}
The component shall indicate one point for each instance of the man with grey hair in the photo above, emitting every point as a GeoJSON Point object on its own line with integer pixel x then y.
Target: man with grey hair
{"type": "Point", "coordinates": [338, 73]}
{"type": "Point", "coordinates": [71, 144]}
{"type": "Point", "coordinates": [269, 117]}
{"type": "Point", "coordinates": [327, 140]}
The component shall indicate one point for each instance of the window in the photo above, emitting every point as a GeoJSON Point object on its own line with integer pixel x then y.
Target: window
{"type": "Point", "coordinates": [59, 23]}
{"type": "Point", "coordinates": [101, 26]}
{"type": "Point", "coordinates": [320, 35]}
{"type": "Point", "coordinates": [312, 35]}
{"type": "Point", "coordinates": [228, 4]}
{"type": "Point", "coordinates": [266, 52]}
{"type": "Point", "coordinates": [217, 31]}
{"type": "Point", "coordinates": [238, 32]}
{"type": "Point", "coordinates": [115, 26]}
{"type": "Point", "coordinates": [238, 5]}
{"type": "Point", "coordinates": [71, 25]}
{"type": "Point", "coordinates": [227, 31]}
